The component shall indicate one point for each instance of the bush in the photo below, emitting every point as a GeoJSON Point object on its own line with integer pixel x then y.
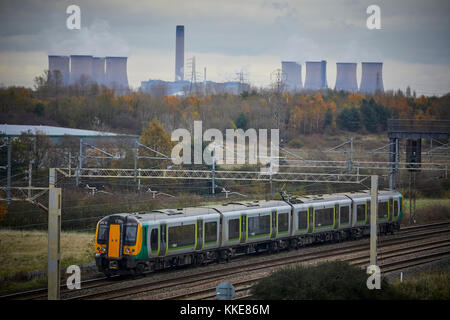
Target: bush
{"type": "Point", "coordinates": [328, 281]}
{"type": "Point", "coordinates": [295, 143]}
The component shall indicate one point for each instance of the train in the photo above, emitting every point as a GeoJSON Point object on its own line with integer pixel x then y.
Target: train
{"type": "Point", "coordinates": [134, 243]}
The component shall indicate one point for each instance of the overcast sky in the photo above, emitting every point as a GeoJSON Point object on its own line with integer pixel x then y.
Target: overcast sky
{"type": "Point", "coordinates": [227, 35]}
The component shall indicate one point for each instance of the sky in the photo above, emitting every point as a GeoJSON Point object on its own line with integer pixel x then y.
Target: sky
{"type": "Point", "coordinates": [233, 35]}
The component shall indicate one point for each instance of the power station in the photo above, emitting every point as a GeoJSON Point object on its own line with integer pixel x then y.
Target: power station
{"type": "Point", "coordinates": [292, 76]}
{"type": "Point", "coordinates": [112, 72]}
{"type": "Point", "coordinates": [62, 64]}
{"type": "Point", "coordinates": [108, 71]}
{"type": "Point", "coordinates": [371, 77]}
{"type": "Point", "coordinates": [80, 68]}
{"type": "Point", "coordinates": [316, 75]}
{"type": "Point", "coordinates": [346, 77]}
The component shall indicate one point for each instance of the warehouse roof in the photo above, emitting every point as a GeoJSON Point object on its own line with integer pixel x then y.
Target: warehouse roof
{"type": "Point", "coordinates": [17, 130]}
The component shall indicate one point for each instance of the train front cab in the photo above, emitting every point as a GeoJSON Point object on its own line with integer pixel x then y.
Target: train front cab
{"type": "Point", "coordinates": [118, 241]}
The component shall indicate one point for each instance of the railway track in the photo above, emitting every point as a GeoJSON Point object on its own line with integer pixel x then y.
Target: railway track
{"type": "Point", "coordinates": [107, 287]}
{"type": "Point", "coordinates": [404, 257]}
{"type": "Point", "coordinates": [164, 289]}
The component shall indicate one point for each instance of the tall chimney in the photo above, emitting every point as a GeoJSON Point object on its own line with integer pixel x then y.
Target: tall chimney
{"type": "Point", "coordinates": [346, 77]}
{"type": "Point", "coordinates": [80, 65]}
{"type": "Point", "coordinates": [371, 77]}
{"type": "Point", "coordinates": [293, 75]}
{"type": "Point", "coordinates": [179, 54]}
{"type": "Point", "coordinates": [62, 64]}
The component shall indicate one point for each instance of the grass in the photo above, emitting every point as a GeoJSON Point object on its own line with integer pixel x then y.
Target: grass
{"type": "Point", "coordinates": [22, 252]}
{"type": "Point", "coordinates": [426, 285]}
{"type": "Point", "coordinates": [26, 251]}
{"type": "Point", "coordinates": [428, 210]}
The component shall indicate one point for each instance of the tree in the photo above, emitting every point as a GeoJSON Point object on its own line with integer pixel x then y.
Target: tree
{"type": "Point", "coordinates": [328, 120]}
{"type": "Point", "coordinates": [242, 121]}
{"type": "Point", "coordinates": [155, 137]}
{"type": "Point", "coordinates": [349, 119]}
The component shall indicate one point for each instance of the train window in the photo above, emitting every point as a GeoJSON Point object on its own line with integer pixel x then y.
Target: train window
{"type": "Point", "coordinates": [259, 225]}
{"type": "Point", "coordinates": [302, 220]}
{"type": "Point", "coordinates": [345, 214]}
{"type": "Point", "coordinates": [233, 229]}
{"type": "Point", "coordinates": [182, 236]}
{"type": "Point", "coordinates": [130, 234]}
{"type": "Point", "coordinates": [154, 240]}
{"type": "Point", "coordinates": [102, 233]}
{"type": "Point", "coordinates": [361, 212]}
{"type": "Point", "coordinates": [324, 217]}
{"type": "Point", "coordinates": [395, 207]}
{"type": "Point", "coordinates": [211, 232]}
{"type": "Point", "coordinates": [383, 210]}
{"type": "Point", "coordinates": [283, 222]}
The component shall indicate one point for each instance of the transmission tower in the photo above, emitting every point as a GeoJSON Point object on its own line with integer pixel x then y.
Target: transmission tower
{"type": "Point", "coordinates": [242, 77]}
{"type": "Point", "coordinates": [194, 76]}
{"type": "Point", "coordinates": [278, 79]}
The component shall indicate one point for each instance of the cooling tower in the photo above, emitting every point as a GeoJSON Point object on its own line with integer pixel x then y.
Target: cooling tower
{"type": "Point", "coordinates": [292, 74]}
{"type": "Point", "coordinates": [116, 72]}
{"type": "Point", "coordinates": [371, 77]}
{"type": "Point", "coordinates": [346, 77]}
{"type": "Point", "coordinates": [98, 70]}
{"type": "Point", "coordinates": [62, 64]}
{"type": "Point", "coordinates": [80, 66]}
{"type": "Point", "coordinates": [179, 54]}
{"type": "Point", "coordinates": [316, 75]}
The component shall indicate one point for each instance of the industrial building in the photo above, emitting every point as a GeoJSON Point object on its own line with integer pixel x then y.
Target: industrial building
{"type": "Point", "coordinates": [292, 76]}
{"type": "Point", "coordinates": [346, 77]}
{"type": "Point", "coordinates": [116, 72]}
{"type": "Point", "coordinates": [371, 77]}
{"type": "Point", "coordinates": [56, 134]}
{"type": "Point", "coordinates": [316, 75]}
{"type": "Point", "coordinates": [80, 67]}
{"type": "Point", "coordinates": [62, 64]}
{"type": "Point", "coordinates": [184, 88]}
{"type": "Point", "coordinates": [108, 71]}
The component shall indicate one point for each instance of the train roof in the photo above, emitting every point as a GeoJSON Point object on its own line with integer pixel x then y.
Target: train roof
{"type": "Point", "coordinates": [207, 210]}
{"type": "Point", "coordinates": [338, 196]}
{"type": "Point", "coordinates": [251, 205]}
{"type": "Point", "coordinates": [248, 205]}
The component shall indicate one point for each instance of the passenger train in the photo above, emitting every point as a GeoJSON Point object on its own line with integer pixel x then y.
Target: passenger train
{"type": "Point", "coordinates": [133, 243]}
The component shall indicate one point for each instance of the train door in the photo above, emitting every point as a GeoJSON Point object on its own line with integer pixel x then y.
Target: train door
{"type": "Point", "coordinates": [199, 245]}
{"type": "Point", "coordinates": [311, 219]}
{"type": "Point", "coordinates": [274, 216]}
{"type": "Point", "coordinates": [163, 239]}
{"type": "Point", "coordinates": [243, 228]}
{"type": "Point", "coordinates": [114, 243]}
{"type": "Point", "coordinates": [336, 216]}
{"type": "Point", "coordinates": [391, 209]}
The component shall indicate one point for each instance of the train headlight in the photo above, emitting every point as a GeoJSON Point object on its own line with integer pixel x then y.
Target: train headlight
{"type": "Point", "coordinates": [103, 249]}
{"type": "Point", "coordinates": [127, 250]}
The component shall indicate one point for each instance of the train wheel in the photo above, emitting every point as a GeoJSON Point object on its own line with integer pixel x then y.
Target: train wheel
{"type": "Point", "coordinates": [140, 268]}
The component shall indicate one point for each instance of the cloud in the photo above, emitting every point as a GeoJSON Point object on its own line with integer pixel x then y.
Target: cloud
{"type": "Point", "coordinates": [96, 39]}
